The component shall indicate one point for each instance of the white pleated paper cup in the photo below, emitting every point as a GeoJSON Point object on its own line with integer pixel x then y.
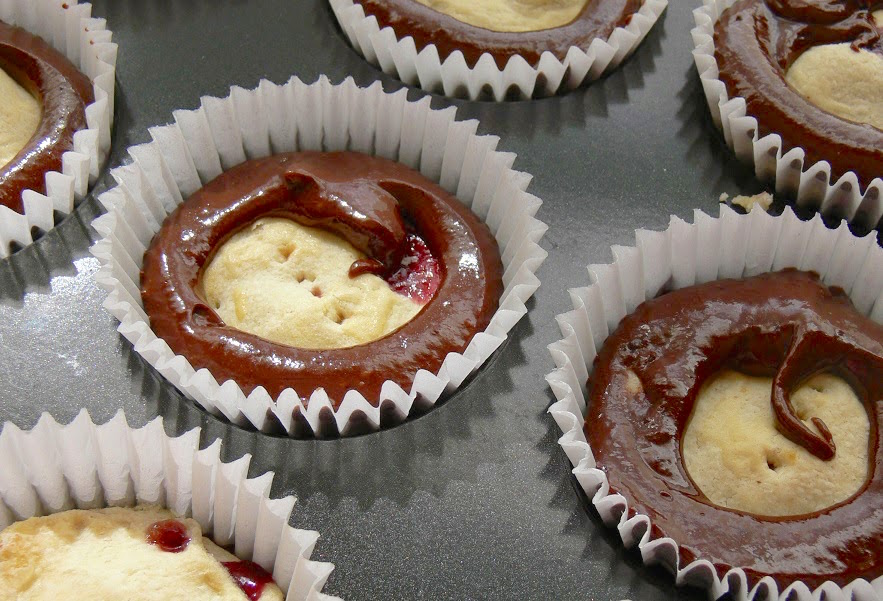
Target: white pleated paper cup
{"type": "Point", "coordinates": [68, 26]}
{"type": "Point", "coordinates": [395, 53]}
{"type": "Point", "coordinates": [270, 119]}
{"type": "Point", "coordinates": [83, 465]}
{"type": "Point", "coordinates": [732, 245]}
{"type": "Point", "coordinates": [810, 185]}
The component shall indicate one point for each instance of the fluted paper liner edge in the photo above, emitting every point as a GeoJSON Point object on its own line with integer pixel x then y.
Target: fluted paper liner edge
{"type": "Point", "coordinates": [397, 56]}
{"type": "Point", "coordinates": [295, 116]}
{"type": "Point", "coordinates": [83, 465]}
{"type": "Point", "coordinates": [731, 245]}
{"type": "Point", "coordinates": [786, 167]}
{"type": "Point", "coordinates": [69, 27]}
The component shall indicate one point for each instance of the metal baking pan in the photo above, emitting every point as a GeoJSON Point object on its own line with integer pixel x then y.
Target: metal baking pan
{"type": "Point", "coordinates": [475, 499]}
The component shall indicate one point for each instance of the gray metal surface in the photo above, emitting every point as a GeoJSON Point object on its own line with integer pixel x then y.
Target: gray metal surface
{"type": "Point", "coordinates": [474, 500]}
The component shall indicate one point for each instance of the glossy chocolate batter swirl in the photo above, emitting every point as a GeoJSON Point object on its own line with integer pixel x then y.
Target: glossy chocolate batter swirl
{"type": "Point", "coordinates": [597, 19]}
{"type": "Point", "coordinates": [369, 201]}
{"type": "Point", "coordinates": [756, 41]}
{"type": "Point", "coordinates": [785, 325]}
{"type": "Point", "coordinates": [63, 92]}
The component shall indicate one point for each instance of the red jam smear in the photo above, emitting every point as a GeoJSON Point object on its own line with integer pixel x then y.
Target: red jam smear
{"type": "Point", "coordinates": [169, 535]}
{"type": "Point", "coordinates": [419, 274]}
{"type": "Point", "coordinates": [249, 576]}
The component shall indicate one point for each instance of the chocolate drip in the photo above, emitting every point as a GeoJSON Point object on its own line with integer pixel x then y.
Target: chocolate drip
{"type": "Point", "coordinates": [362, 266]}
{"type": "Point", "coordinates": [757, 41]}
{"type": "Point", "coordinates": [351, 194]}
{"type": "Point", "coordinates": [785, 325]}
{"type": "Point", "coordinates": [63, 92]}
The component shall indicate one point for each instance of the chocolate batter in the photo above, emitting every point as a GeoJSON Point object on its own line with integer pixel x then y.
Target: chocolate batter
{"type": "Point", "coordinates": [366, 200]}
{"type": "Point", "coordinates": [756, 41]}
{"type": "Point", "coordinates": [597, 19]}
{"type": "Point", "coordinates": [63, 92]}
{"type": "Point", "coordinates": [785, 325]}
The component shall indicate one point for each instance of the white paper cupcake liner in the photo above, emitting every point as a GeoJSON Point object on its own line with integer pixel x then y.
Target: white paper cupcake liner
{"type": "Point", "coordinates": [398, 56]}
{"type": "Point", "coordinates": [685, 254]}
{"type": "Point", "coordinates": [68, 26]}
{"type": "Point", "coordinates": [811, 185]}
{"type": "Point", "coordinates": [281, 118]}
{"type": "Point", "coordinates": [83, 465]}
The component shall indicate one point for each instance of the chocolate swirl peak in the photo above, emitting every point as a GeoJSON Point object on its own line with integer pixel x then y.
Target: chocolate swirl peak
{"type": "Point", "coordinates": [848, 20]}
{"type": "Point", "coordinates": [363, 213]}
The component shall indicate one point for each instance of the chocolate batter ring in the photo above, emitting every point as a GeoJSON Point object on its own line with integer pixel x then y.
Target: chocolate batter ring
{"type": "Point", "coordinates": [283, 185]}
{"type": "Point", "coordinates": [756, 41]}
{"type": "Point", "coordinates": [63, 93]}
{"type": "Point", "coordinates": [786, 325]}
{"type": "Point", "coordinates": [597, 19]}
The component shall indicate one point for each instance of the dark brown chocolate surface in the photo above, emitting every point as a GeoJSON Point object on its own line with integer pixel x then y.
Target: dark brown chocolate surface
{"type": "Point", "coordinates": [785, 325]}
{"type": "Point", "coordinates": [293, 185]}
{"type": "Point", "coordinates": [63, 93]}
{"type": "Point", "coordinates": [756, 41]}
{"type": "Point", "coordinates": [427, 26]}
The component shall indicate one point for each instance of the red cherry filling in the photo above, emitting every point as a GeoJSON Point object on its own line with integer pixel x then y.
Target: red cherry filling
{"type": "Point", "coordinates": [169, 535]}
{"type": "Point", "coordinates": [418, 275]}
{"type": "Point", "coordinates": [249, 576]}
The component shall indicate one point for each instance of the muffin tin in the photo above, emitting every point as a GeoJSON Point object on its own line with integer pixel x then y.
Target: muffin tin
{"type": "Point", "coordinates": [474, 499]}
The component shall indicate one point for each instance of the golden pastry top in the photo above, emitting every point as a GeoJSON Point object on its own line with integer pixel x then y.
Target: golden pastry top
{"type": "Point", "coordinates": [104, 555]}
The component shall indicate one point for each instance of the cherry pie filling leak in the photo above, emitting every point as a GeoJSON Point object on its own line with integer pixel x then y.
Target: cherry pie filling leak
{"type": "Point", "coordinates": [249, 576]}
{"type": "Point", "coordinates": [172, 536]}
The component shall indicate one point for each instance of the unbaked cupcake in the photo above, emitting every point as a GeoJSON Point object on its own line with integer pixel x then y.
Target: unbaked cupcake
{"type": "Point", "coordinates": [336, 270]}
{"type": "Point", "coordinates": [746, 393]}
{"type": "Point", "coordinates": [498, 49]}
{"type": "Point", "coordinates": [449, 275]}
{"type": "Point", "coordinates": [795, 88]}
{"type": "Point", "coordinates": [57, 81]}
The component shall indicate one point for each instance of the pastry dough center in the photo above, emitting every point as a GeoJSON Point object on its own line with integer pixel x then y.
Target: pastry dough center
{"type": "Point", "coordinates": [103, 555]}
{"type": "Point", "coordinates": [515, 16]}
{"type": "Point", "coordinates": [841, 81]}
{"type": "Point", "coordinates": [290, 284]}
{"type": "Point", "coordinates": [739, 460]}
{"type": "Point", "coordinates": [20, 115]}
